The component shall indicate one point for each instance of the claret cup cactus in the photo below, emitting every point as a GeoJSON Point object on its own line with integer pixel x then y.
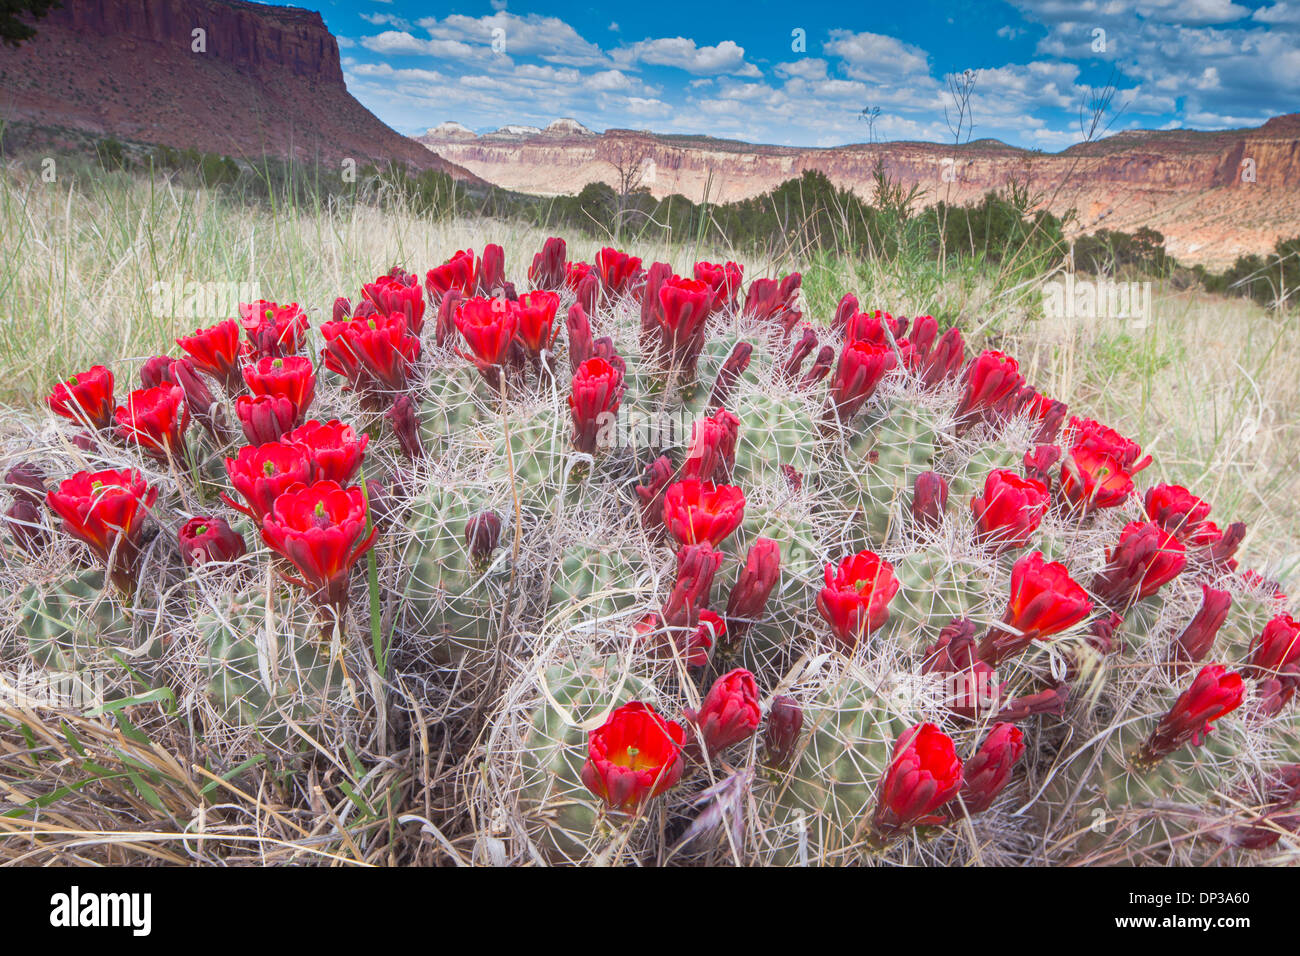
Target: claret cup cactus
{"type": "Point", "coordinates": [688, 574]}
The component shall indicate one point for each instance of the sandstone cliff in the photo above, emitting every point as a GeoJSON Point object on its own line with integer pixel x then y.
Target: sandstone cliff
{"type": "Point", "coordinates": [258, 80]}
{"type": "Point", "coordinates": [1193, 187]}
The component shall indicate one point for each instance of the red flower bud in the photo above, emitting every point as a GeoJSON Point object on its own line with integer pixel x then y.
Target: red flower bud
{"type": "Point", "coordinates": [86, 398]}
{"type": "Point", "coordinates": [924, 774]}
{"type": "Point", "coordinates": [274, 329]}
{"type": "Point", "coordinates": [729, 373]}
{"type": "Point", "coordinates": [970, 686]}
{"type": "Point", "coordinates": [855, 600]}
{"type": "Point", "coordinates": [1176, 510]}
{"type": "Point", "coordinates": [986, 774]}
{"type": "Point", "coordinates": [753, 587]}
{"type": "Point", "coordinates": [861, 369]}
{"type": "Point", "coordinates": [218, 352]}
{"type": "Point", "coordinates": [790, 369]}
{"type": "Point", "coordinates": [482, 532]}
{"type": "Point", "coordinates": [1274, 695]}
{"type": "Point", "coordinates": [1198, 637]}
{"type": "Point", "coordinates": [821, 367]}
{"type": "Point", "coordinates": [712, 454]}
{"type": "Point", "coordinates": [445, 329]}
{"type": "Point", "coordinates": [635, 755]}
{"type": "Point", "coordinates": [692, 591]}
{"type": "Point", "coordinates": [155, 419]}
{"type": "Point", "coordinates": [1045, 600]}
{"type": "Point", "coordinates": [262, 474]}
{"type": "Point", "coordinates": [579, 329]}
{"type": "Point", "coordinates": [207, 540]}
{"type": "Point", "coordinates": [655, 481]}
{"type": "Point", "coordinates": [1220, 548]}
{"type": "Point", "coordinates": [342, 309]}
{"type": "Point", "coordinates": [1048, 412]}
{"type": "Point", "coordinates": [990, 378]}
{"type": "Point", "coordinates": [106, 510]}
{"type": "Point", "coordinates": [924, 331]}
{"type": "Point", "coordinates": [265, 418]}
{"type": "Point", "coordinates": [321, 530]}
{"type": "Point", "coordinates": [593, 402]}
{"type": "Point", "coordinates": [1214, 693]}
{"type": "Point", "coordinates": [729, 712]}
{"type": "Point", "coordinates": [491, 270]}
{"type": "Point", "coordinates": [1146, 558]}
{"type": "Point", "coordinates": [844, 310]}
{"type": "Point", "coordinates": [1039, 462]}
{"type": "Point", "coordinates": [701, 511]}
{"type": "Point", "coordinates": [1009, 511]}
{"type": "Point", "coordinates": [1091, 479]}
{"type": "Point", "coordinates": [23, 519]}
{"type": "Point", "coordinates": [784, 724]}
{"type": "Point", "coordinates": [291, 377]}
{"type": "Point", "coordinates": [406, 426]}
{"type": "Point", "coordinates": [157, 370]}
{"type": "Point", "coordinates": [548, 268]}
{"type": "Point", "coordinates": [333, 448]}
{"type": "Point", "coordinates": [1275, 651]}
{"type": "Point", "coordinates": [929, 499]}
{"type": "Point", "coordinates": [1051, 701]}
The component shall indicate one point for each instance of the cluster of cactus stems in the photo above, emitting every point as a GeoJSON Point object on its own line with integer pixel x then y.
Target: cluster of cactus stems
{"type": "Point", "coordinates": [882, 600]}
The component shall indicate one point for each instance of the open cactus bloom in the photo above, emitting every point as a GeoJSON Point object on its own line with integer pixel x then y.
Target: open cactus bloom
{"type": "Point", "coordinates": [839, 582]}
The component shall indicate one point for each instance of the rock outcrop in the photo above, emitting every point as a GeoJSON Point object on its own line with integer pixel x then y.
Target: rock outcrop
{"type": "Point", "coordinates": [1213, 195]}
{"type": "Point", "coordinates": [223, 76]}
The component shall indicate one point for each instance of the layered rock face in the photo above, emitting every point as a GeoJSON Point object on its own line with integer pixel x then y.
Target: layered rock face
{"type": "Point", "coordinates": [1213, 195]}
{"type": "Point", "coordinates": [223, 76]}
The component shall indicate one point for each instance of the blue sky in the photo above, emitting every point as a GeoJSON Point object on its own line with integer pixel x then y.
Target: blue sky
{"type": "Point", "coordinates": [734, 68]}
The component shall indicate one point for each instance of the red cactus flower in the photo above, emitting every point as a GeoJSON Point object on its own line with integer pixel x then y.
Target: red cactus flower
{"type": "Point", "coordinates": [753, 586]}
{"type": "Point", "coordinates": [729, 712]}
{"type": "Point", "coordinates": [1045, 600]}
{"type": "Point", "coordinates": [1047, 412]}
{"type": "Point", "coordinates": [372, 352]}
{"type": "Point", "coordinates": [635, 755]}
{"type": "Point", "coordinates": [290, 377]}
{"type": "Point", "coordinates": [265, 418]}
{"type": "Point", "coordinates": [855, 600]}
{"type": "Point", "coordinates": [945, 360]}
{"type": "Point", "coordinates": [207, 540]}
{"type": "Point", "coordinates": [929, 499]}
{"type": "Point", "coordinates": [155, 419]}
{"type": "Point", "coordinates": [1198, 637]}
{"type": "Point", "coordinates": [1086, 433]}
{"type": "Point", "coordinates": [593, 402]}
{"type": "Point", "coordinates": [549, 267]}
{"type": "Point", "coordinates": [712, 453]}
{"type": "Point", "coordinates": [990, 378]}
{"type": "Point", "coordinates": [579, 330]}
{"type": "Point", "coordinates": [217, 351]}
{"type": "Point", "coordinates": [535, 327]}
{"type": "Point", "coordinates": [1176, 510]}
{"type": "Point", "coordinates": [617, 271]}
{"type": "Point", "coordinates": [86, 399]}
{"type": "Point", "coordinates": [1214, 693]}
{"type": "Point", "coordinates": [1275, 651]}
{"type": "Point", "coordinates": [574, 273]}
{"type": "Point", "coordinates": [784, 724]}
{"type": "Point", "coordinates": [685, 308]}
{"type": "Point", "coordinates": [263, 473]}
{"type": "Point", "coordinates": [694, 646]}
{"type": "Point", "coordinates": [333, 448]}
{"type": "Point", "coordinates": [460, 272]}
{"type": "Point", "coordinates": [106, 510]}
{"type": "Point", "coordinates": [1039, 462]}
{"type": "Point", "coordinates": [321, 530]}
{"type": "Point", "coordinates": [724, 280]}
{"type": "Point", "coordinates": [488, 326]}
{"type": "Point", "coordinates": [1091, 479]}
{"type": "Point", "coordinates": [701, 511]}
{"type": "Point", "coordinates": [986, 774]}
{"type": "Point", "coordinates": [970, 686]}
{"type": "Point", "coordinates": [924, 773]}
{"type": "Point", "coordinates": [274, 329]}
{"type": "Point", "coordinates": [870, 327]}
{"type": "Point", "coordinates": [1010, 509]}
{"type": "Point", "coordinates": [861, 369]}
{"type": "Point", "coordinates": [398, 296]}
{"type": "Point", "coordinates": [1146, 558]}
